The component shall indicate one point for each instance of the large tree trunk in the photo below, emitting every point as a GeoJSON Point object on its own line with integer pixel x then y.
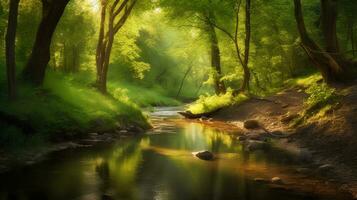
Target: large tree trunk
{"type": "Point", "coordinates": [35, 68]}
{"type": "Point", "coordinates": [328, 23]}
{"type": "Point", "coordinates": [219, 85]}
{"type": "Point", "coordinates": [351, 36]}
{"type": "Point", "coordinates": [10, 48]}
{"type": "Point", "coordinates": [329, 67]}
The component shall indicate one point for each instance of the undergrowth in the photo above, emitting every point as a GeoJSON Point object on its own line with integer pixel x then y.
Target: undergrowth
{"type": "Point", "coordinates": [63, 108]}
{"type": "Point", "coordinates": [206, 103]}
{"type": "Point", "coordinates": [320, 101]}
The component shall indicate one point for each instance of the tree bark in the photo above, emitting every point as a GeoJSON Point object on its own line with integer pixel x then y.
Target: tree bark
{"type": "Point", "coordinates": [10, 48]}
{"type": "Point", "coordinates": [100, 45]}
{"type": "Point", "coordinates": [106, 38]}
{"type": "Point", "coordinates": [350, 35]}
{"type": "Point", "coordinates": [219, 85]}
{"type": "Point", "coordinates": [329, 67]}
{"type": "Point", "coordinates": [246, 78]}
{"type": "Point", "coordinates": [35, 69]}
{"type": "Point", "coordinates": [353, 44]}
{"type": "Point", "coordinates": [328, 22]}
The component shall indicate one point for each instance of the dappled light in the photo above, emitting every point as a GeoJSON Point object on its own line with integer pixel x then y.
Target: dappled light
{"type": "Point", "coordinates": [178, 99]}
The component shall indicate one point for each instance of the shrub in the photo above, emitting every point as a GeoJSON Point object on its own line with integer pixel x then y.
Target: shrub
{"type": "Point", "coordinates": [207, 103]}
{"type": "Point", "coordinates": [320, 95]}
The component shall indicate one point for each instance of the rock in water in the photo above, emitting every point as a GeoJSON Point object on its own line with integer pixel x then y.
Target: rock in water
{"type": "Point", "coordinates": [261, 180]}
{"type": "Point", "coordinates": [326, 169]}
{"type": "Point", "coordinates": [253, 145]}
{"type": "Point", "coordinates": [251, 124]}
{"type": "Point", "coordinates": [276, 180]}
{"type": "Point", "coordinates": [205, 155]}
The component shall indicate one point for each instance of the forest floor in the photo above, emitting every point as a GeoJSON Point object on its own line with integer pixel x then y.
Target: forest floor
{"type": "Point", "coordinates": [330, 140]}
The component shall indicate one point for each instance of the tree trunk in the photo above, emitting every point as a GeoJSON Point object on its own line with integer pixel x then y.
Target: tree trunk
{"type": "Point", "coordinates": [353, 41]}
{"type": "Point", "coordinates": [328, 22]}
{"type": "Point", "coordinates": [246, 78]}
{"type": "Point", "coordinates": [35, 68]}
{"type": "Point", "coordinates": [351, 36]}
{"type": "Point", "coordinates": [219, 85]}
{"type": "Point", "coordinates": [102, 84]}
{"type": "Point", "coordinates": [183, 80]}
{"type": "Point", "coordinates": [100, 45]}
{"type": "Point", "coordinates": [330, 69]}
{"type": "Point", "coordinates": [75, 59]}
{"type": "Point", "coordinates": [10, 48]}
{"type": "Point", "coordinates": [106, 38]}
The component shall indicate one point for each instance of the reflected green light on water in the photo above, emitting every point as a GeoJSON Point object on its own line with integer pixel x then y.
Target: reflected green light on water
{"type": "Point", "coordinates": [159, 166]}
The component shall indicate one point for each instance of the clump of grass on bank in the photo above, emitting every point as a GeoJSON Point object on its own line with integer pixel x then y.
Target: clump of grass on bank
{"type": "Point", "coordinates": [63, 109]}
{"type": "Point", "coordinates": [206, 104]}
{"type": "Point", "coordinates": [304, 81]}
{"type": "Point", "coordinates": [321, 99]}
{"type": "Point", "coordinates": [320, 95]}
{"type": "Point", "coordinates": [143, 97]}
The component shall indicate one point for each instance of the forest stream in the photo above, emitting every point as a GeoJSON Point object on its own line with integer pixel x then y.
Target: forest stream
{"type": "Point", "coordinates": [161, 165]}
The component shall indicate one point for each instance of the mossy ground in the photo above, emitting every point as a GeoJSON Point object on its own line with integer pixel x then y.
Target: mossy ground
{"type": "Point", "coordinates": [68, 107]}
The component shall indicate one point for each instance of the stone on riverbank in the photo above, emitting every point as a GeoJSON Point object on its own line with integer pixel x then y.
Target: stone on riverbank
{"type": "Point", "coordinates": [251, 124]}
{"type": "Point", "coordinates": [205, 155]}
{"type": "Point", "coordinates": [253, 145]}
{"type": "Point", "coordinates": [276, 180]}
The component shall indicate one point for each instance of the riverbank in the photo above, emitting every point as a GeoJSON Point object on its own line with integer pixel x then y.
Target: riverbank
{"type": "Point", "coordinates": [68, 113]}
{"type": "Point", "coordinates": [324, 134]}
{"type": "Point", "coordinates": [43, 122]}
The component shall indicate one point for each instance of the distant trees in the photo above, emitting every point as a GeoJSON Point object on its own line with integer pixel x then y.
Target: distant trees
{"type": "Point", "coordinates": [332, 64]}
{"type": "Point", "coordinates": [243, 58]}
{"type": "Point", "coordinates": [200, 14]}
{"type": "Point", "coordinates": [113, 17]}
{"type": "Point", "coordinates": [70, 48]}
{"type": "Point", "coordinates": [219, 85]}
{"type": "Point", "coordinates": [10, 48]}
{"type": "Point", "coordinates": [35, 69]}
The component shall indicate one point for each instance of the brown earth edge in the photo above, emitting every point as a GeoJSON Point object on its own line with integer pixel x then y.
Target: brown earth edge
{"type": "Point", "coordinates": [10, 160]}
{"type": "Point", "coordinates": [329, 143]}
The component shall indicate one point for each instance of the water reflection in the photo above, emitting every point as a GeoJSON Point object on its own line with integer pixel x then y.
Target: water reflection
{"type": "Point", "coordinates": [158, 166]}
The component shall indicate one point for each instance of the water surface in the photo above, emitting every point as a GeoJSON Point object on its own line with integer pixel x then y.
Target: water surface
{"type": "Point", "coordinates": [160, 165]}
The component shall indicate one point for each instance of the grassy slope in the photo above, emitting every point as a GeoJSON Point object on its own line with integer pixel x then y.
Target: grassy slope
{"type": "Point", "coordinates": [143, 97]}
{"type": "Point", "coordinates": [207, 104]}
{"type": "Point", "coordinates": [65, 108]}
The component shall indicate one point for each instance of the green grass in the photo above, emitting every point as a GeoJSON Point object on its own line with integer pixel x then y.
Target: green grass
{"type": "Point", "coordinates": [143, 97]}
{"type": "Point", "coordinates": [65, 108]}
{"type": "Point", "coordinates": [208, 103]}
{"type": "Point", "coordinates": [304, 81]}
{"type": "Point", "coordinates": [321, 98]}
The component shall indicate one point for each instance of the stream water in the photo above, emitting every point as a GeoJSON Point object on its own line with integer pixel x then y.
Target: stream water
{"type": "Point", "coordinates": [160, 165]}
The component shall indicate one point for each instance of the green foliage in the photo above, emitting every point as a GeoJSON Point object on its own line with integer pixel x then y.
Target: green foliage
{"type": "Point", "coordinates": [320, 95]}
{"type": "Point", "coordinates": [67, 108]}
{"type": "Point", "coordinates": [304, 81]}
{"type": "Point", "coordinates": [321, 99]}
{"type": "Point", "coordinates": [151, 53]}
{"type": "Point", "coordinates": [209, 103]}
{"type": "Point", "coordinates": [143, 97]}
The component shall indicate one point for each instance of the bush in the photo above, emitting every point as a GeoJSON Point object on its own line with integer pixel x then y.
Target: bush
{"type": "Point", "coordinates": [320, 95]}
{"type": "Point", "coordinates": [207, 104]}
{"type": "Point", "coordinates": [65, 108]}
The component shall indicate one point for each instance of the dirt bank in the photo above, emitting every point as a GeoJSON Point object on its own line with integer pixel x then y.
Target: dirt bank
{"type": "Point", "coordinates": [331, 139]}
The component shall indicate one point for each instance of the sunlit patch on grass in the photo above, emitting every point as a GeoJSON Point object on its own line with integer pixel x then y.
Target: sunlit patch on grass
{"type": "Point", "coordinates": [207, 104]}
